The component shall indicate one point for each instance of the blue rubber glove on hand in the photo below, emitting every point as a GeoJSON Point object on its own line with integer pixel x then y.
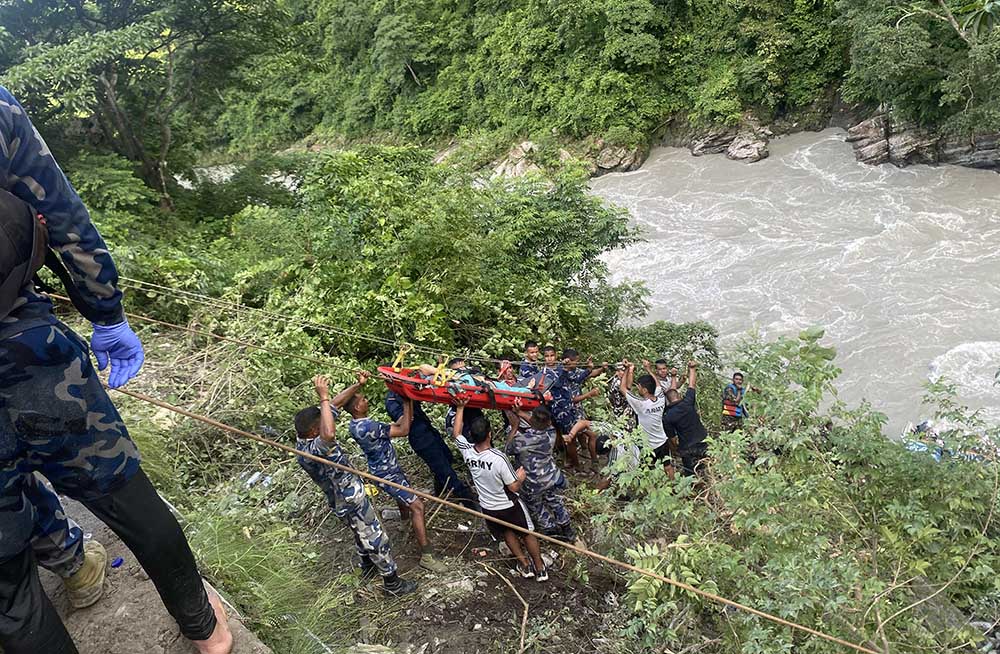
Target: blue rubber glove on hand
{"type": "Point", "coordinates": [118, 345]}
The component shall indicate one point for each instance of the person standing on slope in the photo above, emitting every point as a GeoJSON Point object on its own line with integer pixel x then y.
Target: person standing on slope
{"type": "Point", "coordinates": [56, 418]}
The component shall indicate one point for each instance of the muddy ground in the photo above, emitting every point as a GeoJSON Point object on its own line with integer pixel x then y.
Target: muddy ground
{"type": "Point", "coordinates": [471, 609]}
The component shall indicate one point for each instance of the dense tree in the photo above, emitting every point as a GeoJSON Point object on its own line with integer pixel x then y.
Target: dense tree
{"type": "Point", "coordinates": [934, 61]}
{"type": "Point", "coordinates": [136, 72]}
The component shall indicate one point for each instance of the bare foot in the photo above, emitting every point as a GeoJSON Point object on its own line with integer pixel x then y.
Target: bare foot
{"type": "Point", "coordinates": [221, 640]}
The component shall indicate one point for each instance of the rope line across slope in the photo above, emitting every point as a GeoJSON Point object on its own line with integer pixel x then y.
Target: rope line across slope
{"type": "Point", "coordinates": [191, 296]}
{"type": "Point", "coordinates": [568, 546]}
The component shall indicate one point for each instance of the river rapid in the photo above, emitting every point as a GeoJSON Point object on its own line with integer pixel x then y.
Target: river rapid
{"type": "Point", "coordinates": [901, 266]}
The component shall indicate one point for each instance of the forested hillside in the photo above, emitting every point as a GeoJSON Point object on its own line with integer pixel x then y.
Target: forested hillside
{"type": "Point", "coordinates": [159, 82]}
{"type": "Point", "coordinates": [332, 235]}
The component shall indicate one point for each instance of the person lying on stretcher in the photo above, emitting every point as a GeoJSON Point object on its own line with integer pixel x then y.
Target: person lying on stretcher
{"type": "Point", "coordinates": [472, 376]}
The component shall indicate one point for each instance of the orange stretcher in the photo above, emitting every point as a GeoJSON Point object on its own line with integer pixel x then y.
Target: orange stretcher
{"type": "Point", "coordinates": [410, 383]}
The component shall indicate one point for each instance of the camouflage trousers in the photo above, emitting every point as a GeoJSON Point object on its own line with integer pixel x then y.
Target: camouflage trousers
{"type": "Point", "coordinates": [356, 511]}
{"type": "Point", "coordinates": [55, 420]}
{"type": "Point", "coordinates": [548, 507]}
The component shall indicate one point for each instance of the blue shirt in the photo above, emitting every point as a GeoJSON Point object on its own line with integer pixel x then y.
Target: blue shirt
{"type": "Point", "coordinates": [28, 170]}
{"type": "Point", "coordinates": [373, 437]}
{"type": "Point", "coordinates": [527, 369]}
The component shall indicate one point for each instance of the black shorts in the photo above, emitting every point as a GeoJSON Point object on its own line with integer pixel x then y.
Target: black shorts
{"type": "Point", "coordinates": [517, 514]}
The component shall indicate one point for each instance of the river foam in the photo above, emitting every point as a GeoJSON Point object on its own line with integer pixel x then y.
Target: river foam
{"type": "Point", "coordinates": [900, 265]}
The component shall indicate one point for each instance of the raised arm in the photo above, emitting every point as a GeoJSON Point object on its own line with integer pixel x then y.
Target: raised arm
{"type": "Point", "coordinates": [586, 396]}
{"type": "Point", "coordinates": [629, 374]}
{"type": "Point", "coordinates": [327, 426]}
{"type": "Point", "coordinates": [596, 371]}
{"type": "Point", "coordinates": [456, 428]}
{"type": "Point", "coordinates": [519, 478]}
{"type": "Point", "coordinates": [402, 426]}
{"type": "Point", "coordinates": [692, 374]}
{"type": "Point", "coordinates": [341, 398]}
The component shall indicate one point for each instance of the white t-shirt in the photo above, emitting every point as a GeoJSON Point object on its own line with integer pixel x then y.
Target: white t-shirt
{"type": "Point", "coordinates": [491, 472]}
{"type": "Point", "coordinates": [650, 414]}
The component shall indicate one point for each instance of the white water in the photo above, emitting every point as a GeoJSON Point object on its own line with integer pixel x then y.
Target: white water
{"type": "Point", "coordinates": [902, 266]}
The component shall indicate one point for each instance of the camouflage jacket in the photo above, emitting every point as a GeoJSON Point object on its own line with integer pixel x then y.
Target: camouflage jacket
{"type": "Point", "coordinates": [568, 385]}
{"type": "Point", "coordinates": [533, 451]}
{"type": "Point", "coordinates": [338, 485]}
{"type": "Point", "coordinates": [28, 170]}
{"type": "Point", "coordinates": [373, 437]}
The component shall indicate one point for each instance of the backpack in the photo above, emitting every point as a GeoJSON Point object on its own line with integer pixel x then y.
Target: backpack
{"type": "Point", "coordinates": [24, 242]}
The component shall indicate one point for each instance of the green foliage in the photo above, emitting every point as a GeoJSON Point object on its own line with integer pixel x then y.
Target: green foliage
{"type": "Point", "coordinates": [109, 183]}
{"type": "Point", "coordinates": [383, 243]}
{"type": "Point", "coordinates": [570, 67]}
{"type": "Point", "coordinates": [911, 57]}
{"type": "Point", "coordinates": [811, 514]}
{"type": "Point", "coordinates": [133, 77]}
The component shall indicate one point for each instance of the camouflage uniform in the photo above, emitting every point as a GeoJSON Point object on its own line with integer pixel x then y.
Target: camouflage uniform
{"type": "Point", "coordinates": [567, 386]}
{"type": "Point", "coordinates": [57, 420]}
{"type": "Point", "coordinates": [345, 493]}
{"type": "Point", "coordinates": [373, 437]}
{"type": "Point", "coordinates": [49, 393]}
{"type": "Point", "coordinates": [544, 483]}
{"type": "Point", "coordinates": [527, 370]}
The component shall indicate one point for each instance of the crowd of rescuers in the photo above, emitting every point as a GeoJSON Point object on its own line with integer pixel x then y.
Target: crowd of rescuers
{"type": "Point", "coordinates": [515, 476]}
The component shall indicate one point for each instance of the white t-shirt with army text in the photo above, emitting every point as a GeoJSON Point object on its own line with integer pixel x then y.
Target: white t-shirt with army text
{"type": "Point", "coordinates": [650, 414]}
{"type": "Point", "coordinates": [491, 471]}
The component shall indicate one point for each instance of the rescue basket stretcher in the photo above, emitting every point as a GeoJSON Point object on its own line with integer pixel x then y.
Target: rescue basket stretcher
{"type": "Point", "coordinates": [410, 383]}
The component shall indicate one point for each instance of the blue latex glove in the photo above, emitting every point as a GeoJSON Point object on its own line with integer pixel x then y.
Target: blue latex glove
{"type": "Point", "coordinates": [118, 345]}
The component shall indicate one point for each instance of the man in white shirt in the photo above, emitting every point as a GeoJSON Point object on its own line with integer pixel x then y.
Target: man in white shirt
{"type": "Point", "coordinates": [648, 405]}
{"type": "Point", "coordinates": [497, 484]}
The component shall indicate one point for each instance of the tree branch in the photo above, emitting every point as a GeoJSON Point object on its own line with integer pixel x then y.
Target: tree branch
{"type": "Point", "coordinates": [954, 23]}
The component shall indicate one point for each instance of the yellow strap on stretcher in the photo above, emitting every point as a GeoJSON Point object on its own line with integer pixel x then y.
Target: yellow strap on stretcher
{"type": "Point", "coordinates": [397, 365]}
{"type": "Point", "coordinates": [443, 374]}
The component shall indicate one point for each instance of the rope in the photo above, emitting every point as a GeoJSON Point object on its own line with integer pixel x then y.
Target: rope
{"type": "Point", "coordinates": [427, 496]}
{"type": "Point", "coordinates": [235, 341]}
{"type": "Point", "coordinates": [220, 303]}
{"type": "Point", "coordinates": [227, 339]}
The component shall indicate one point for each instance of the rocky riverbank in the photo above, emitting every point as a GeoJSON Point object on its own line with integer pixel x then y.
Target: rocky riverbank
{"type": "Point", "coordinates": [878, 137]}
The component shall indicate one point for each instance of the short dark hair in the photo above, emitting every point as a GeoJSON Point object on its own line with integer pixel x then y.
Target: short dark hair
{"type": "Point", "coordinates": [529, 343]}
{"type": "Point", "coordinates": [570, 353]}
{"type": "Point", "coordinates": [306, 420]}
{"type": "Point", "coordinates": [480, 430]}
{"type": "Point", "coordinates": [661, 362]}
{"type": "Point", "coordinates": [455, 360]}
{"type": "Point", "coordinates": [548, 348]}
{"type": "Point", "coordinates": [647, 382]}
{"type": "Point", "coordinates": [602, 444]}
{"type": "Point", "coordinates": [673, 396]}
{"type": "Point", "coordinates": [352, 403]}
{"type": "Point", "coordinates": [737, 374]}
{"type": "Point", "coordinates": [541, 418]}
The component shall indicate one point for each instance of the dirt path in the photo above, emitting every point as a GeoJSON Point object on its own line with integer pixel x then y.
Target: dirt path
{"type": "Point", "coordinates": [130, 618]}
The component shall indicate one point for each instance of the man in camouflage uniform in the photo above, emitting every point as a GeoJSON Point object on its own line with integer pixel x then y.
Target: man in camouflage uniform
{"type": "Point", "coordinates": [56, 419]}
{"type": "Point", "coordinates": [544, 484]}
{"type": "Point", "coordinates": [429, 446]}
{"type": "Point", "coordinates": [565, 381]}
{"type": "Point", "coordinates": [375, 439]}
{"type": "Point", "coordinates": [345, 491]}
